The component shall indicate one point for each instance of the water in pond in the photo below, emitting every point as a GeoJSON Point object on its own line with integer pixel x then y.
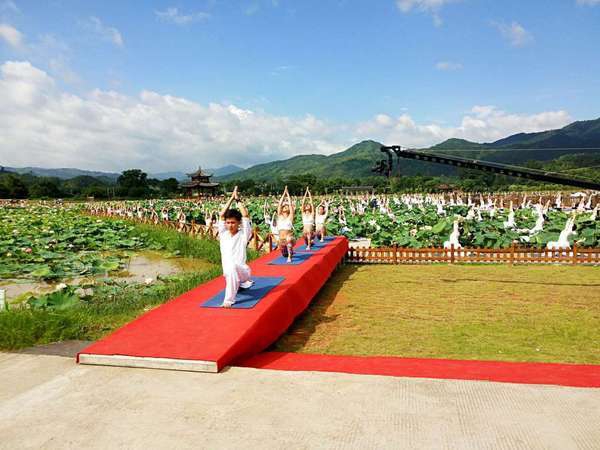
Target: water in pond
{"type": "Point", "coordinates": [140, 267]}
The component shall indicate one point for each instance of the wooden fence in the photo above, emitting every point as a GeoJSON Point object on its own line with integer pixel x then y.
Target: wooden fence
{"type": "Point", "coordinates": [257, 242]}
{"type": "Point", "coordinates": [404, 255]}
{"type": "Point", "coordinates": [512, 255]}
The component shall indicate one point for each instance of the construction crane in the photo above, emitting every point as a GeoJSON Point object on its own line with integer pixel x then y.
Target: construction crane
{"type": "Point", "coordinates": [385, 167]}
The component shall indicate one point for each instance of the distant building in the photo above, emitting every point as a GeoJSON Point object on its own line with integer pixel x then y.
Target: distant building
{"type": "Point", "coordinates": [199, 184]}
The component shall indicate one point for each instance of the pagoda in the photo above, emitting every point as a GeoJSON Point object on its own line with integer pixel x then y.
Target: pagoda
{"type": "Point", "coordinates": [200, 184]}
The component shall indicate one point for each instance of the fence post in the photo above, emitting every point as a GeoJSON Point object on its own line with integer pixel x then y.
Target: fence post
{"type": "Point", "coordinates": [395, 250]}
{"type": "Point", "coordinates": [451, 253]}
{"type": "Point", "coordinates": [512, 254]}
{"type": "Point", "coordinates": [574, 254]}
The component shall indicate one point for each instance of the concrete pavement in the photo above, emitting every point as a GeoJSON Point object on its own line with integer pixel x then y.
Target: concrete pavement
{"type": "Point", "coordinates": [47, 401]}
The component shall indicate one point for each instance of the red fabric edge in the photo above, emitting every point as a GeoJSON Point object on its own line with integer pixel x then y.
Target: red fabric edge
{"type": "Point", "coordinates": [574, 375]}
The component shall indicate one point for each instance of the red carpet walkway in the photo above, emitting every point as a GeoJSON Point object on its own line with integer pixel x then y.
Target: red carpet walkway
{"type": "Point", "coordinates": [577, 375]}
{"type": "Point", "coordinates": [182, 335]}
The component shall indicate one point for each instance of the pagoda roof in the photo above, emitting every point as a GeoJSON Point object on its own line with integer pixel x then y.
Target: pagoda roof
{"type": "Point", "coordinates": [193, 184]}
{"type": "Point", "coordinates": [199, 173]}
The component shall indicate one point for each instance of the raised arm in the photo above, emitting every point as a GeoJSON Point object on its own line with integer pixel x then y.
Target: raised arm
{"type": "Point", "coordinates": [228, 204]}
{"type": "Point", "coordinates": [304, 199]}
{"type": "Point", "coordinates": [310, 200]}
{"type": "Point", "coordinates": [281, 200]}
{"type": "Point", "coordinates": [292, 205]}
{"type": "Point", "coordinates": [241, 206]}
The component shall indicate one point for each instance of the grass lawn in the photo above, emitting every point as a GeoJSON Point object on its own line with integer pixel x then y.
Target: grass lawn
{"type": "Point", "coordinates": [520, 313]}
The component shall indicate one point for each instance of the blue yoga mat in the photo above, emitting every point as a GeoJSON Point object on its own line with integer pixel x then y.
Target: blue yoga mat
{"type": "Point", "coordinates": [246, 298]}
{"type": "Point", "coordinates": [297, 258]}
{"type": "Point", "coordinates": [316, 245]}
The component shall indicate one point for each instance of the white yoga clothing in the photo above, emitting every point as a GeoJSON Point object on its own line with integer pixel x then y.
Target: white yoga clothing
{"type": "Point", "coordinates": [233, 248]}
{"type": "Point", "coordinates": [233, 257]}
{"type": "Point", "coordinates": [308, 220]}
{"type": "Point", "coordinates": [320, 219]}
{"type": "Point", "coordinates": [233, 279]}
{"type": "Point", "coordinates": [284, 224]}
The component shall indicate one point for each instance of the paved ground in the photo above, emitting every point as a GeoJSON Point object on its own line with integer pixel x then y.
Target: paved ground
{"type": "Point", "coordinates": [47, 401]}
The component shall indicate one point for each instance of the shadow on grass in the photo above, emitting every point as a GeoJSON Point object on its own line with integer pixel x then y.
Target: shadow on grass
{"type": "Point", "coordinates": [316, 314]}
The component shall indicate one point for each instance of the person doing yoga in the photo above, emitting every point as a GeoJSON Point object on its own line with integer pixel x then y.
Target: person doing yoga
{"type": "Point", "coordinates": [285, 225]}
{"type": "Point", "coordinates": [235, 231]}
{"type": "Point", "coordinates": [321, 218]}
{"type": "Point", "coordinates": [308, 218]}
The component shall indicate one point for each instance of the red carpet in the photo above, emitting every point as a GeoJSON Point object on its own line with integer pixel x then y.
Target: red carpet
{"type": "Point", "coordinates": [181, 329]}
{"type": "Point", "coordinates": [576, 375]}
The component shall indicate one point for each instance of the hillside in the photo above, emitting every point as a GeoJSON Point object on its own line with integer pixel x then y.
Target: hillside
{"type": "Point", "coordinates": [357, 161]}
{"type": "Point", "coordinates": [108, 177]}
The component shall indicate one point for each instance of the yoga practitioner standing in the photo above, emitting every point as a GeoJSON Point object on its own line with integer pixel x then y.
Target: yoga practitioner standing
{"type": "Point", "coordinates": [321, 218]}
{"type": "Point", "coordinates": [285, 225]}
{"type": "Point", "coordinates": [234, 233]}
{"type": "Point", "coordinates": [308, 218]}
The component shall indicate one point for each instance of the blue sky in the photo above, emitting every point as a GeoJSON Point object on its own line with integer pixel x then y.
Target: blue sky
{"type": "Point", "coordinates": [315, 76]}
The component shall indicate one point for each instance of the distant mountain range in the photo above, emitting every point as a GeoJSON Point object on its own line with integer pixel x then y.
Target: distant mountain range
{"type": "Point", "coordinates": [108, 177]}
{"type": "Point", "coordinates": [358, 160]}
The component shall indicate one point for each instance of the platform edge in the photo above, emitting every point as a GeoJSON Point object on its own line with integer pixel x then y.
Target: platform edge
{"type": "Point", "coordinates": [143, 362]}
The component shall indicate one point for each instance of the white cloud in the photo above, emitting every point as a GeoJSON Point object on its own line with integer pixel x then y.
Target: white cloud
{"type": "Point", "coordinates": [448, 66]}
{"type": "Point", "coordinates": [107, 33]}
{"type": "Point", "coordinates": [42, 125]}
{"type": "Point", "coordinates": [482, 124]}
{"type": "Point", "coordinates": [174, 16]}
{"type": "Point", "coordinates": [588, 2]}
{"type": "Point", "coordinates": [432, 7]}
{"type": "Point", "coordinates": [11, 35]}
{"type": "Point", "coordinates": [515, 33]}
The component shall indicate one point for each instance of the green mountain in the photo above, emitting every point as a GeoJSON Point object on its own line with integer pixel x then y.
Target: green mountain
{"type": "Point", "coordinates": [358, 160]}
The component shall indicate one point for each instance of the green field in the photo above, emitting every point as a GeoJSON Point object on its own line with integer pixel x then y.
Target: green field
{"type": "Point", "coordinates": [520, 313]}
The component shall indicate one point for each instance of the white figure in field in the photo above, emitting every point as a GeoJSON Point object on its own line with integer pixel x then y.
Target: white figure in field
{"type": "Point", "coordinates": [235, 231]}
{"type": "Point", "coordinates": [470, 214]}
{"type": "Point", "coordinates": [453, 240]}
{"type": "Point", "coordinates": [558, 201]}
{"type": "Point", "coordinates": [440, 210]}
{"type": "Point", "coordinates": [563, 238]}
{"type": "Point", "coordinates": [594, 215]}
{"type": "Point", "coordinates": [510, 223]}
{"type": "Point", "coordinates": [539, 223]}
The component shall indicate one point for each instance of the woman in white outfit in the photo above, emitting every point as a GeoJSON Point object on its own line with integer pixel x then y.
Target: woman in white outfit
{"type": "Point", "coordinates": [285, 225]}
{"type": "Point", "coordinates": [308, 219]}
{"type": "Point", "coordinates": [320, 219]}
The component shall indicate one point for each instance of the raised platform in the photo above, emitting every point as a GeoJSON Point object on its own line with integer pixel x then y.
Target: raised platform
{"type": "Point", "coordinates": [182, 335]}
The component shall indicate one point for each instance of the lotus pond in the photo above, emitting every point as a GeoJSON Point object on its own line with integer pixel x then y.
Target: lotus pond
{"type": "Point", "coordinates": [72, 276]}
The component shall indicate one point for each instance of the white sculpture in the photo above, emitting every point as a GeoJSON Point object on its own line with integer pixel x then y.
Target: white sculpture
{"type": "Point", "coordinates": [563, 238]}
{"type": "Point", "coordinates": [453, 240]}
{"type": "Point", "coordinates": [510, 223]}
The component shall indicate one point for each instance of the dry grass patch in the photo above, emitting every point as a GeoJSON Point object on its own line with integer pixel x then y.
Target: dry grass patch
{"type": "Point", "coordinates": [520, 313]}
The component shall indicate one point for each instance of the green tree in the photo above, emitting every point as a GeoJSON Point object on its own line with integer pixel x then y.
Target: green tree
{"type": "Point", "coordinates": [15, 187]}
{"type": "Point", "coordinates": [45, 188]}
{"type": "Point", "coordinates": [133, 183]}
